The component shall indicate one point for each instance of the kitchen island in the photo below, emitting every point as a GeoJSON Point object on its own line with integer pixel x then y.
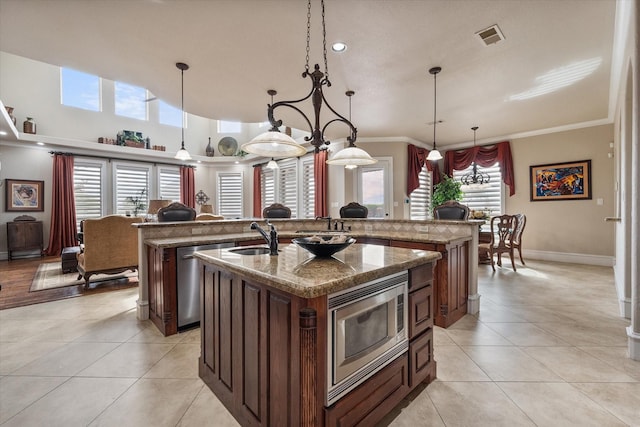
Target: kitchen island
{"type": "Point", "coordinates": [267, 351]}
{"type": "Point", "coordinates": [455, 275]}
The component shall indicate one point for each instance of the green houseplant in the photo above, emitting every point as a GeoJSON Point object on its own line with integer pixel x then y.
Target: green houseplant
{"type": "Point", "coordinates": [445, 190]}
{"type": "Point", "coordinates": [138, 202]}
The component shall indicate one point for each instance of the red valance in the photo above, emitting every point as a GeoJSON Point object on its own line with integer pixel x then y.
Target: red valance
{"type": "Point", "coordinates": [417, 158]}
{"type": "Point", "coordinates": [321, 180]}
{"type": "Point", "coordinates": [484, 156]}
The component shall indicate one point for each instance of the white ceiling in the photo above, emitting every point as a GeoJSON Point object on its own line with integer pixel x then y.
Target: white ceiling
{"type": "Point", "coordinates": [237, 49]}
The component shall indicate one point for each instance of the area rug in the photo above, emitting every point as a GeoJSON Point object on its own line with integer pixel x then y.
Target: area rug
{"type": "Point", "coordinates": [50, 276]}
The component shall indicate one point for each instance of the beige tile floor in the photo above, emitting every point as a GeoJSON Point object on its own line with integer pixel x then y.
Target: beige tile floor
{"type": "Point", "coordinates": [548, 349]}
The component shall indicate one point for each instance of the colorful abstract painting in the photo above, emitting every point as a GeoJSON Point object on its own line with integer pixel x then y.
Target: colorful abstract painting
{"type": "Point", "coordinates": [561, 181]}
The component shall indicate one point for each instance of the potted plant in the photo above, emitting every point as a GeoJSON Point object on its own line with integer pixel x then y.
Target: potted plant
{"type": "Point", "coordinates": [138, 202]}
{"type": "Point", "coordinates": [445, 190]}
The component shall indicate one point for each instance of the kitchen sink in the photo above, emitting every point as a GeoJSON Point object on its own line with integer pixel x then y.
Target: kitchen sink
{"type": "Point", "coordinates": [250, 251]}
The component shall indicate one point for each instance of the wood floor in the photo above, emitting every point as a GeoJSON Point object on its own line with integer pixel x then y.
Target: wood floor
{"type": "Point", "coordinates": [16, 277]}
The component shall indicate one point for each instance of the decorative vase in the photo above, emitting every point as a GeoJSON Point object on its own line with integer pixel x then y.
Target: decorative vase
{"type": "Point", "coordinates": [29, 126]}
{"type": "Point", "coordinates": [11, 116]}
{"type": "Point", "coordinates": [209, 151]}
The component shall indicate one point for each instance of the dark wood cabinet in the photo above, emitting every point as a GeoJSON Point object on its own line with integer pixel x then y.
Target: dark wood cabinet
{"type": "Point", "coordinates": [267, 363]}
{"type": "Point", "coordinates": [163, 289]}
{"type": "Point", "coordinates": [24, 236]}
{"type": "Point", "coordinates": [451, 288]}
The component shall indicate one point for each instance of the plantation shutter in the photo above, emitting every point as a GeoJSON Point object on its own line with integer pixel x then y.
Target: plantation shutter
{"type": "Point", "coordinates": [169, 188]}
{"type": "Point", "coordinates": [308, 201]}
{"type": "Point", "coordinates": [133, 182]}
{"type": "Point", "coordinates": [487, 198]}
{"type": "Point", "coordinates": [288, 191]}
{"type": "Point", "coordinates": [87, 187]}
{"type": "Point", "coordinates": [230, 194]}
{"type": "Point", "coordinates": [267, 186]}
{"type": "Point", "coordinates": [420, 199]}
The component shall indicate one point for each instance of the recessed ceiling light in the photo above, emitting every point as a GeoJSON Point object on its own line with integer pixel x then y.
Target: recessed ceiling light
{"type": "Point", "coordinates": [3, 133]}
{"type": "Point", "coordinates": [40, 143]}
{"type": "Point", "coordinates": [339, 47]}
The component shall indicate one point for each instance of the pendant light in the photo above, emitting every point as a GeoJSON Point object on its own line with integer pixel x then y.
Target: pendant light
{"type": "Point", "coordinates": [434, 154]}
{"type": "Point", "coordinates": [182, 153]}
{"type": "Point", "coordinates": [275, 144]}
{"type": "Point", "coordinates": [272, 164]}
{"type": "Point", "coordinates": [352, 156]}
{"type": "Point", "coordinates": [475, 179]}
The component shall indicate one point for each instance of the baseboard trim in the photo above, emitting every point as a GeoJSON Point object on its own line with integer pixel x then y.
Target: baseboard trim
{"type": "Point", "coordinates": [571, 258]}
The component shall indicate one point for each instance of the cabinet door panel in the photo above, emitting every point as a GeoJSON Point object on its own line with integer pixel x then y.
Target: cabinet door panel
{"type": "Point", "coordinates": [421, 364]}
{"type": "Point", "coordinates": [420, 311]}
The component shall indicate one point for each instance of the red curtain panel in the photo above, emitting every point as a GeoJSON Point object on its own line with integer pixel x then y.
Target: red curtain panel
{"type": "Point", "coordinates": [62, 233]}
{"type": "Point", "coordinates": [187, 186]}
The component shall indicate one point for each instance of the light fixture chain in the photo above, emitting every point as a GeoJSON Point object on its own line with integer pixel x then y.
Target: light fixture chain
{"type": "Point", "coordinates": [306, 65]}
{"type": "Point", "coordinates": [324, 43]}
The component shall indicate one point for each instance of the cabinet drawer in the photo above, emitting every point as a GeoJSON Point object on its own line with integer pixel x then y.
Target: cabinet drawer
{"type": "Point", "coordinates": [420, 276]}
{"type": "Point", "coordinates": [420, 311]}
{"type": "Point", "coordinates": [421, 364]}
{"type": "Point", "coordinates": [370, 402]}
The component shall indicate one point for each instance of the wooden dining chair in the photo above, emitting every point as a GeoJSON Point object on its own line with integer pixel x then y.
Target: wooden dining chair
{"type": "Point", "coordinates": [503, 229]}
{"type": "Point", "coordinates": [517, 236]}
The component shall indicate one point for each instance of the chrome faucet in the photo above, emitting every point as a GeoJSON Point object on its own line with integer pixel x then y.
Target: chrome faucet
{"type": "Point", "coordinates": [271, 238]}
{"type": "Point", "coordinates": [328, 218]}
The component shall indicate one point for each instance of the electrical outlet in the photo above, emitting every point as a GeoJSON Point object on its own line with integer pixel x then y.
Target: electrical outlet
{"type": "Point", "coordinates": [197, 230]}
{"type": "Point", "coordinates": [368, 228]}
{"type": "Point", "coordinates": [423, 228]}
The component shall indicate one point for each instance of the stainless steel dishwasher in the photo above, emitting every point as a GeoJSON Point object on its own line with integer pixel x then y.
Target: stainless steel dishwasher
{"type": "Point", "coordinates": [189, 284]}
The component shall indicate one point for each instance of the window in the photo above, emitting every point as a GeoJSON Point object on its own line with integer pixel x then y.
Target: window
{"type": "Point", "coordinates": [288, 185]}
{"type": "Point", "coordinates": [267, 186]}
{"type": "Point", "coordinates": [169, 115]}
{"type": "Point", "coordinates": [87, 187]}
{"type": "Point", "coordinates": [130, 101]}
{"type": "Point", "coordinates": [229, 127]}
{"type": "Point", "coordinates": [230, 194]}
{"type": "Point", "coordinates": [374, 188]}
{"type": "Point", "coordinates": [488, 198]}
{"type": "Point", "coordinates": [79, 90]}
{"type": "Point", "coordinates": [281, 185]}
{"type": "Point", "coordinates": [130, 181]}
{"type": "Point", "coordinates": [308, 202]}
{"type": "Point", "coordinates": [420, 198]}
{"type": "Point", "coordinates": [169, 188]}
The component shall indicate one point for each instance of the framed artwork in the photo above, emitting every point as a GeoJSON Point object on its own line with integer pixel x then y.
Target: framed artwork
{"type": "Point", "coordinates": [560, 181]}
{"type": "Point", "coordinates": [24, 195]}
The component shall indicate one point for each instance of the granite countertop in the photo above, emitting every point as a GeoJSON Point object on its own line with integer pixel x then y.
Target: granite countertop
{"type": "Point", "coordinates": [193, 240]}
{"type": "Point", "coordinates": [298, 272]}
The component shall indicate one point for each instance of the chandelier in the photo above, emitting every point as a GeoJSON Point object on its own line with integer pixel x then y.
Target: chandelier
{"type": "Point", "coordinates": [475, 179]}
{"type": "Point", "coordinates": [182, 153]}
{"type": "Point", "coordinates": [434, 154]}
{"type": "Point", "coordinates": [275, 144]}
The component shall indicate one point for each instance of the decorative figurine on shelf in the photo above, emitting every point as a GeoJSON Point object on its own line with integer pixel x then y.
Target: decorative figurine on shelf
{"type": "Point", "coordinates": [11, 116]}
{"type": "Point", "coordinates": [209, 150]}
{"type": "Point", "coordinates": [29, 126]}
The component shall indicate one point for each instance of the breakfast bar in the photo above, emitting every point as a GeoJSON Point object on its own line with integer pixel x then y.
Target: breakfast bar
{"type": "Point", "coordinates": [295, 339]}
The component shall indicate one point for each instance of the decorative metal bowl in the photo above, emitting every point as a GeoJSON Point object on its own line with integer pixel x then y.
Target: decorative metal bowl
{"type": "Point", "coordinates": [321, 246]}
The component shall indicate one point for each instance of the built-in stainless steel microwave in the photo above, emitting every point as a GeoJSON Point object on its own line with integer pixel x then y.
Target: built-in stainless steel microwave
{"type": "Point", "coordinates": [367, 330]}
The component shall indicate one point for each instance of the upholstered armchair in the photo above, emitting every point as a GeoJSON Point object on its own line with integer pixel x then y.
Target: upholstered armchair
{"type": "Point", "coordinates": [110, 246]}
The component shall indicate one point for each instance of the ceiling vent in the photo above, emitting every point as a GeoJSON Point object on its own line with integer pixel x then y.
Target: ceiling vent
{"type": "Point", "coordinates": [490, 35]}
